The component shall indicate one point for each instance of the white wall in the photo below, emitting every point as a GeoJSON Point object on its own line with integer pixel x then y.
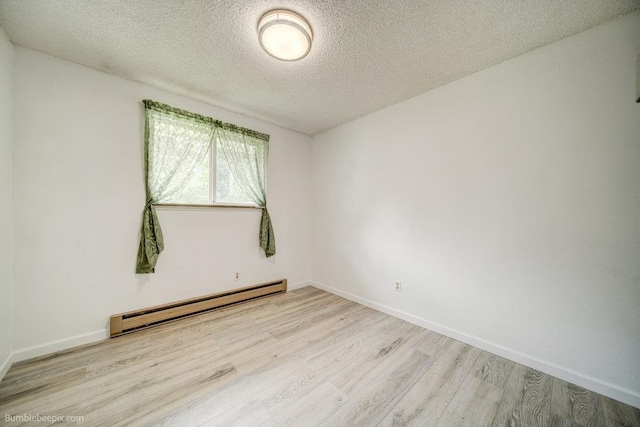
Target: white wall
{"type": "Point", "coordinates": [6, 85]}
{"type": "Point", "coordinates": [78, 199]}
{"type": "Point", "coordinates": [508, 203]}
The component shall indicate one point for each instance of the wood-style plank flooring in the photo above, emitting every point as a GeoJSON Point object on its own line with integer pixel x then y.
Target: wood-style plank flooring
{"type": "Point", "coordinates": [303, 358]}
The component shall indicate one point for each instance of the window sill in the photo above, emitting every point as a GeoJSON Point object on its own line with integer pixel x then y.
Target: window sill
{"type": "Point", "coordinates": [221, 205]}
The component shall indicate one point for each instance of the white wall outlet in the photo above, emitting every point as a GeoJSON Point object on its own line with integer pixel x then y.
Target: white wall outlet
{"type": "Point", "coordinates": [398, 286]}
{"type": "Point", "coordinates": [237, 276]}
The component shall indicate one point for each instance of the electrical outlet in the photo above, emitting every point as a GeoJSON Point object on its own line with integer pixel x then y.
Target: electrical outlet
{"type": "Point", "coordinates": [237, 276]}
{"type": "Point", "coordinates": [398, 286]}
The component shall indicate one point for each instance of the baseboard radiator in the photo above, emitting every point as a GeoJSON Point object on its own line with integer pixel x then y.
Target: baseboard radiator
{"type": "Point", "coordinates": [132, 321]}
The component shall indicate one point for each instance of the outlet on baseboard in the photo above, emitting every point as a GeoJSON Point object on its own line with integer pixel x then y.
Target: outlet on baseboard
{"type": "Point", "coordinates": [237, 276]}
{"type": "Point", "coordinates": [398, 286]}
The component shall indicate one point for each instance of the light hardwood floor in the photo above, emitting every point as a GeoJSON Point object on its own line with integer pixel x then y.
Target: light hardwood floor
{"type": "Point", "coordinates": [303, 358]}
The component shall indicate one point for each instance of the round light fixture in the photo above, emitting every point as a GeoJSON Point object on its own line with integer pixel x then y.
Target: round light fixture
{"type": "Point", "coordinates": [285, 35]}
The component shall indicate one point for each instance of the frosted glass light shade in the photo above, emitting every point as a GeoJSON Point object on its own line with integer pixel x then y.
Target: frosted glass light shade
{"type": "Point", "coordinates": [285, 35]}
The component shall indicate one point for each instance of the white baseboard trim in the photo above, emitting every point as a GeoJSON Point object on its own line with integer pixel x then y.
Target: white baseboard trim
{"type": "Point", "coordinates": [59, 345]}
{"type": "Point", "coordinates": [6, 364]}
{"type": "Point", "coordinates": [299, 285]}
{"type": "Point", "coordinates": [622, 394]}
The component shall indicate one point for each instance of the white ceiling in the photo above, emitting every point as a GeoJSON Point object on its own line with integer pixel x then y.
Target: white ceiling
{"type": "Point", "coordinates": [366, 54]}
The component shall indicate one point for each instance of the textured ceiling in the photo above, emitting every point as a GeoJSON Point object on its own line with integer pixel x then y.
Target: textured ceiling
{"type": "Point", "coordinates": [366, 55]}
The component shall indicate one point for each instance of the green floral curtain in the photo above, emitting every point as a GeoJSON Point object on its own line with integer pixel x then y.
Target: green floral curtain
{"type": "Point", "coordinates": [176, 143]}
{"type": "Point", "coordinates": [246, 153]}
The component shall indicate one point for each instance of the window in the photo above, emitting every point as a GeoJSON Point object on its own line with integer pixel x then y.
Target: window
{"type": "Point", "coordinates": [196, 160]}
{"type": "Point", "coordinates": [211, 183]}
{"type": "Point", "coordinates": [193, 153]}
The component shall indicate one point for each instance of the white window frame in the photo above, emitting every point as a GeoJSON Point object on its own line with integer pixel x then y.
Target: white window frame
{"type": "Point", "coordinates": [213, 189]}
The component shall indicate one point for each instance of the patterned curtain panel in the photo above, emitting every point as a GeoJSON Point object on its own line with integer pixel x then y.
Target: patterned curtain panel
{"type": "Point", "coordinates": [176, 143]}
{"type": "Point", "coordinates": [246, 153]}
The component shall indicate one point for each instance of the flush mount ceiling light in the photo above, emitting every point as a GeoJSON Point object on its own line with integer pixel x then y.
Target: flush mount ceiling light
{"type": "Point", "coordinates": [285, 35]}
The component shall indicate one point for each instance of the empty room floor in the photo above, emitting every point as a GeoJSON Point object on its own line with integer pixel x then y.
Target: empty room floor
{"type": "Point", "coordinates": [306, 357]}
